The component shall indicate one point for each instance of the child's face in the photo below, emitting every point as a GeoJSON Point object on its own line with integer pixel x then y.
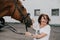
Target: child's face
{"type": "Point", "coordinates": [44, 20]}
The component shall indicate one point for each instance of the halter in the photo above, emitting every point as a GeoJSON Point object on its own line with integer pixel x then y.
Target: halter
{"type": "Point", "coordinates": [20, 11]}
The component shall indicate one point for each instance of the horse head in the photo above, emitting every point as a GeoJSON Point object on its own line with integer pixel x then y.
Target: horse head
{"type": "Point", "coordinates": [16, 10]}
{"type": "Point", "coordinates": [21, 14]}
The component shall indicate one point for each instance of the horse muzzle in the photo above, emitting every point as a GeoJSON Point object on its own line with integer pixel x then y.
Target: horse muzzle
{"type": "Point", "coordinates": [28, 22]}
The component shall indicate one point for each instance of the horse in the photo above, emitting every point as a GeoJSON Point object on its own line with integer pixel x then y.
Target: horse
{"type": "Point", "coordinates": [16, 10]}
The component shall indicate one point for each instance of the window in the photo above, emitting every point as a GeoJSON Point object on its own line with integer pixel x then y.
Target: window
{"type": "Point", "coordinates": [55, 12]}
{"type": "Point", "coordinates": [36, 12]}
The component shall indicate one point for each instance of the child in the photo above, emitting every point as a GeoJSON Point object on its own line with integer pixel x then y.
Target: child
{"type": "Point", "coordinates": [42, 30]}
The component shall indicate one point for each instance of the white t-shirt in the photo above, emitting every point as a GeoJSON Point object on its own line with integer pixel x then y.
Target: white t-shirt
{"type": "Point", "coordinates": [45, 29]}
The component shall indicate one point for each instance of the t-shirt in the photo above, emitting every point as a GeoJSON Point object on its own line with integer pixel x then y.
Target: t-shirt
{"type": "Point", "coordinates": [39, 30]}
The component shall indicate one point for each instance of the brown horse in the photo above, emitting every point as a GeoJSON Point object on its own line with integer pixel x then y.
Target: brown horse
{"type": "Point", "coordinates": [16, 10]}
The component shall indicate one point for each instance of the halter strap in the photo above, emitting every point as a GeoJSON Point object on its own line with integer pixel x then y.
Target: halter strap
{"type": "Point", "coordinates": [20, 11]}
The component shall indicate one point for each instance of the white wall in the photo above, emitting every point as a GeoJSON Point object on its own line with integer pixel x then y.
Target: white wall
{"type": "Point", "coordinates": [45, 6]}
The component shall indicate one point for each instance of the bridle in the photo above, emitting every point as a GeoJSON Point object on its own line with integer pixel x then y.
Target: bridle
{"type": "Point", "coordinates": [20, 11]}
